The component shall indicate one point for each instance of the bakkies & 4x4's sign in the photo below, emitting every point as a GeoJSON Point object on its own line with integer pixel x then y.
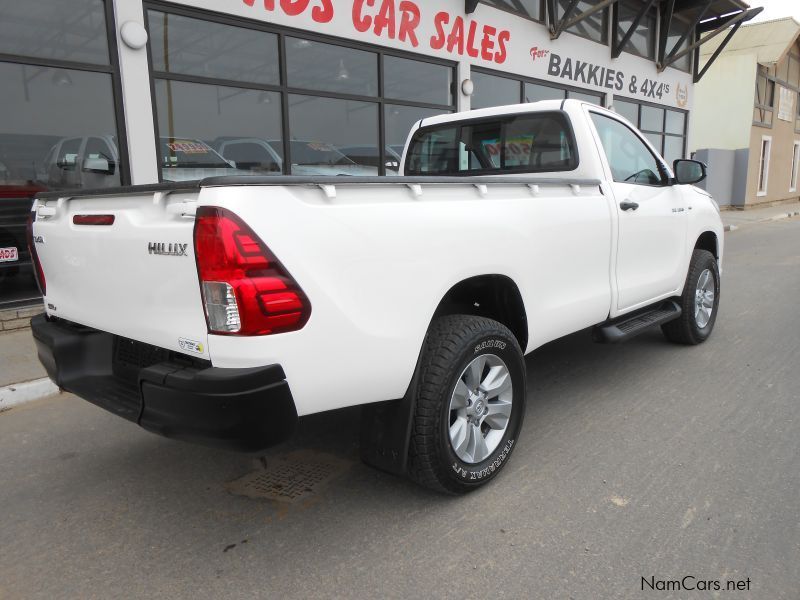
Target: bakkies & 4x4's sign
{"type": "Point", "coordinates": [488, 37]}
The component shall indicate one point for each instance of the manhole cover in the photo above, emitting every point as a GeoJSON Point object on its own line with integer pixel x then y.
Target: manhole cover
{"type": "Point", "coordinates": [291, 477]}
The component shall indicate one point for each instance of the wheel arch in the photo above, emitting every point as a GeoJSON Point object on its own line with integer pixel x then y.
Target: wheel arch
{"type": "Point", "coordinates": [708, 241]}
{"type": "Point", "coordinates": [493, 296]}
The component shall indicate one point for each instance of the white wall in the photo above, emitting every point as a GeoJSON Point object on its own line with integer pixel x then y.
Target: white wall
{"type": "Point", "coordinates": [723, 104]}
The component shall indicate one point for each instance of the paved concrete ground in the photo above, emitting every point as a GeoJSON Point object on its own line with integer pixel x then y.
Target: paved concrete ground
{"type": "Point", "coordinates": [743, 218]}
{"type": "Point", "coordinates": [18, 362]}
{"type": "Point", "coordinates": [639, 460]}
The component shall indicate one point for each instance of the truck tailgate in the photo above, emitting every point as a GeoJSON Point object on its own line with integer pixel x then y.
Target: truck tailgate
{"type": "Point", "coordinates": [135, 278]}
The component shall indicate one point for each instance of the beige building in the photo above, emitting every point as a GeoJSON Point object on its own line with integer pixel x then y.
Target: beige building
{"type": "Point", "coordinates": [746, 121]}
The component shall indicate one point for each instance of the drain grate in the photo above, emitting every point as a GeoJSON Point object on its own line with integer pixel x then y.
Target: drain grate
{"type": "Point", "coordinates": [290, 478]}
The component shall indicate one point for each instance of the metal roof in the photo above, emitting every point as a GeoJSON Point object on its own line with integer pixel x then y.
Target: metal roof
{"type": "Point", "coordinates": [769, 40]}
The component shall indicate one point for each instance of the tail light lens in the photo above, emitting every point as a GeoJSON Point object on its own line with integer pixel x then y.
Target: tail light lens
{"type": "Point", "coordinates": [37, 266]}
{"type": "Point", "coordinates": [246, 290]}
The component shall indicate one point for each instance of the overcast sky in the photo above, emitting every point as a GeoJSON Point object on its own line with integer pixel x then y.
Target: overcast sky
{"type": "Point", "coordinates": [775, 9]}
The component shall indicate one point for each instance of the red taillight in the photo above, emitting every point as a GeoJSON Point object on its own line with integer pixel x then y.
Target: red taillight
{"type": "Point", "coordinates": [246, 290]}
{"type": "Point", "coordinates": [93, 220]}
{"type": "Point", "coordinates": [37, 266]}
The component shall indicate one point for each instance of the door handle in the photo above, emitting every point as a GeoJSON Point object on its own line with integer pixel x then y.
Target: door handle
{"type": "Point", "coordinates": [628, 205]}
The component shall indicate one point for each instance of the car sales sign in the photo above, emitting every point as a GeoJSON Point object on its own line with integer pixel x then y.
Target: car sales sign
{"type": "Point", "coordinates": [488, 37]}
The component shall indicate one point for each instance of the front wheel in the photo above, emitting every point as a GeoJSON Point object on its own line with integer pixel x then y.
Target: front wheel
{"type": "Point", "coordinates": [699, 302]}
{"type": "Point", "coordinates": [470, 403]}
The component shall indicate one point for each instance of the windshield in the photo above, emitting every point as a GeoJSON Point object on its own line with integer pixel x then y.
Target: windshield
{"type": "Point", "coordinates": [190, 154]}
{"type": "Point", "coordinates": [314, 153]}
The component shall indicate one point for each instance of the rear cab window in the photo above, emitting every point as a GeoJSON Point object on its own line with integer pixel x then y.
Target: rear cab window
{"type": "Point", "coordinates": [529, 143]}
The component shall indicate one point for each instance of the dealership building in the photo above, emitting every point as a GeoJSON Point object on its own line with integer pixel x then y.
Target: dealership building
{"type": "Point", "coordinates": [100, 93]}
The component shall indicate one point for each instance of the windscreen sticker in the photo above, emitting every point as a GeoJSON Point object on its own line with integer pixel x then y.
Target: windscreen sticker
{"type": "Point", "coordinates": [188, 147]}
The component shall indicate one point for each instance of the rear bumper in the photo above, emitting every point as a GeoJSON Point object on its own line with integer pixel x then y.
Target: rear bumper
{"type": "Point", "coordinates": [240, 409]}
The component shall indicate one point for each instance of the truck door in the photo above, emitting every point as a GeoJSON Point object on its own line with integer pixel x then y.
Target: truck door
{"type": "Point", "coordinates": [651, 242]}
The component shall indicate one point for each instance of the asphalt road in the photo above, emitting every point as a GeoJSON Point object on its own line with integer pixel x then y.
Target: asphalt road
{"type": "Point", "coordinates": [639, 460]}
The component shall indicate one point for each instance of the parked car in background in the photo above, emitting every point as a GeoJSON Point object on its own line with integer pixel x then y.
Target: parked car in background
{"type": "Point", "coordinates": [308, 157]}
{"type": "Point", "coordinates": [368, 155]}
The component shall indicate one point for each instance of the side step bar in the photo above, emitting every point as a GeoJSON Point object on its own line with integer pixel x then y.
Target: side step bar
{"type": "Point", "coordinates": [628, 326]}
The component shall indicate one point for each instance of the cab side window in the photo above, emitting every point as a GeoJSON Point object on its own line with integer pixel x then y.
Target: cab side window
{"type": "Point", "coordinates": [630, 160]}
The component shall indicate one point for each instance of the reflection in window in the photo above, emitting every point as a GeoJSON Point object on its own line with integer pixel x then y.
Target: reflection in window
{"type": "Point", "coordinates": [532, 143]}
{"type": "Point", "coordinates": [592, 27]}
{"type": "Point", "coordinates": [765, 97]}
{"type": "Point", "coordinates": [584, 97]}
{"type": "Point", "coordinates": [673, 148]}
{"type": "Point", "coordinates": [652, 118]}
{"type": "Point", "coordinates": [331, 68]}
{"type": "Point", "coordinates": [206, 49]}
{"type": "Point", "coordinates": [415, 80]}
{"type": "Point", "coordinates": [53, 29]}
{"type": "Point", "coordinates": [530, 9]}
{"type": "Point", "coordinates": [319, 126]}
{"type": "Point", "coordinates": [491, 90]}
{"type": "Point", "coordinates": [203, 126]}
{"type": "Point", "coordinates": [676, 28]}
{"type": "Point", "coordinates": [629, 159]}
{"type": "Point", "coordinates": [399, 120]}
{"type": "Point", "coordinates": [535, 92]}
{"type": "Point", "coordinates": [629, 110]}
{"type": "Point", "coordinates": [643, 39]}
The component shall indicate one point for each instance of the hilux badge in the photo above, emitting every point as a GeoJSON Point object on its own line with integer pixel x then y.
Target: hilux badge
{"type": "Point", "coordinates": [165, 249]}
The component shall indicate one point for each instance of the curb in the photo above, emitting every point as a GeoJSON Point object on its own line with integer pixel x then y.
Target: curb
{"type": "Point", "coordinates": [20, 393]}
{"type": "Point", "coordinates": [779, 217]}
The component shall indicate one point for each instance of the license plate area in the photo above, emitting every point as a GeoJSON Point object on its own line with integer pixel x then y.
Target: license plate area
{"type": "Point", "coordinates": [9, 254]}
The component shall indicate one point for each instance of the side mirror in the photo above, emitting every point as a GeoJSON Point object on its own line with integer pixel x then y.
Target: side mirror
{"type": "Point", "coordinates": [99, 165]}
{"type": "Point", "coordinates": [688, 171]}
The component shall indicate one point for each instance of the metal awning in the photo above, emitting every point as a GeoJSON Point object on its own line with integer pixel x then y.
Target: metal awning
{"type": "Point", "coordinates": [703, 20]}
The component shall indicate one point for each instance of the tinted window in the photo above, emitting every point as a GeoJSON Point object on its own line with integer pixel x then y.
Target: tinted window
{"type": "Point", "coordinates": [535, 92]}
{"type": "Point", "coordinates": [628, 157]}
{"type": "Point", "coordinates": [193, 47]}
{"type": "Point", "coordinates": [399, 120]}
{"type": "Point", "coordinates": [629, 110]}
{"type": "Point", "coordinates": [584, 97]}
{"type": "Point", "coordinates": [186, 153]}
{"type": "Point", "coordinates": [530, 9]}
{"type": "Point", "coordinates": [675, 122]}
{"type": "Point", "coordinates": [254, 156]}
{"type": "Point", "coordinates": [643, 39]}
{"type": "Point", "coordinates": [416, 80]}
{"type": "Point", "coordinates": [593, 26]}
{"type": "Point", "coordinates": [322, 125]}
{"type": "Point", "coordinates": [213, 114]}
{"type": "Point", "coordinates": [491, 90]}
{"type": "Point", "coordinates": [652, 118]}
{"type": "Point", "coordinates": [73, 31]}
{"type": "Point", "coordinates": [527, 143]}
{"type": "Point", "coordinates": [318, 66]}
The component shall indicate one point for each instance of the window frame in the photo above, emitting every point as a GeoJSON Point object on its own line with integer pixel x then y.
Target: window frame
{"type": "Point", "coordinates": [662, 167]}
{"type": "Point", "coordinates": [282, 87]}
{"type": "Point", "coordinates": [112, 68]}
{"type": "Point", "coordinates": [459, 125]}
{"type": "Point", "coordinates": [764, 156]}
{"type": "Point", "coordinates": [767, 108]}
{"type": "Point", "coordinates": [663, 133]}
{"type": "Point", "coordinates": [521, 80]}
{"type": "Point", "coordinates": [795, 166]}
{"type": "Point", "coordinates": [628, 47]}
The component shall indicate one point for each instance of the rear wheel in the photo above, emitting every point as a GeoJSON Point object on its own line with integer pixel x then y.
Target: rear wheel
{"type": "Point", "coordinates": [470, 403]}
{"type": "Point", "coordinates": [699, 302]}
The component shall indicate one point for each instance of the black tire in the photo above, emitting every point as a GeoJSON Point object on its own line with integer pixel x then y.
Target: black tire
{"type": "Point", "coordinates": [685, 330]}
{"type": "Point", "coordinates": [452, 343]}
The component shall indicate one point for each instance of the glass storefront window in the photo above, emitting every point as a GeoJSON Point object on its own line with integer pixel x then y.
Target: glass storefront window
{"type": "Point", "coordinates": [188, 46]}
{"type": "Point", "coordinates": [320, 126]}
{"type": "Point", "coordinates": [629, 110]}
{"type": "Point", "coordinates": [530, 9]}
{"type": "Point", "coordinates": [73, 31]}
{"type": "Point", "coordinates": [643, 39]}
{"type": "Point", "coordinates": [652, 118]}
{"type": "Point", "coordinates": [593, 98]}
{"type": "Point", "coordinates": [399, 120]}
{"type": "Point", "coordinates": [330, 68]}
{"type": "Point", "coordinates": [418, 81]}
{"type": "Point", "coordinates": [491, 90]}
{"type": "Point", "coordinates": [592, 27]}
{"type": "Point", "coordinates": [676, 28]}
{"type": "Point", "coordinates": [535, 92]}
{"type": "Point", "coordinates": [676, 122]}
{"type": "Point", "coordinates": [673, 148]}
{"type": "Point", "coordinates": [207, 130]}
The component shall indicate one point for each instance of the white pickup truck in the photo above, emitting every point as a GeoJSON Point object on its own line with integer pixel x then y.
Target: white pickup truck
{"type": "Point", "coordinates": [222, 310]}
